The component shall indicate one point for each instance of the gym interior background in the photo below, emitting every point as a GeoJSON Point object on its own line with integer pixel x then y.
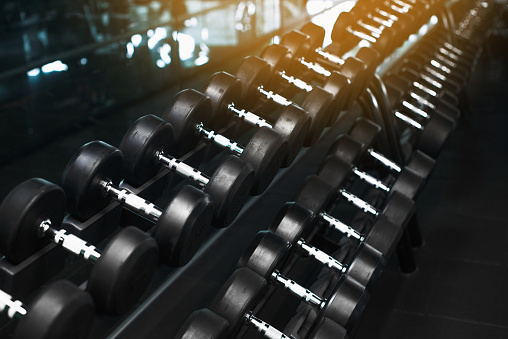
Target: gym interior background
{"type": "Point", "coordinates": [74, 71]}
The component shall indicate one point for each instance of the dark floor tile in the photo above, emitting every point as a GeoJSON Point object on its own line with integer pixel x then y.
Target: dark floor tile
{"type": "Point", "coordinates": [473, 292]}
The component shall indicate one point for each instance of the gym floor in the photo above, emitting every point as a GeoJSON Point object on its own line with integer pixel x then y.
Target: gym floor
{"type": "Point", "coordinates": [459, 288]}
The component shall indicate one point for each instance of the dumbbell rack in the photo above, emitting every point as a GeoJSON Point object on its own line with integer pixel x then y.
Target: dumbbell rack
{"type": "Point", "coordinates": [177, 292]}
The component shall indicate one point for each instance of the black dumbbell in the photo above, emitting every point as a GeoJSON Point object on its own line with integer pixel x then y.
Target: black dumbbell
{"type": "Point", "coordinates": [266, 255]}
{"type": "Point", "coordinates": [225, 91]}
{"type": "Point", "coordinates": [240, 294]}
{"type": "Point", "coordinates": [356, 146]}
{"type": "Point", "coordinates": [315, 194]}
{"type": "Point", "coordinates": [189, 114]}
{"type": "Point", "coordinates": [281, 61]}
{"type": "Point", "coordinates": [293, 222]}
{"type": "Point", "coordinates": [29, 216]}
{"type": "Point", "coordinates": [356, 70]}
{"type": "Point", "coordinates": [203, 324]}
{"type": "Point", "coordinates": [145, 147]}
{"type": "Point", "coordinates": [59, 311]}
{"type": "Point", "coordinates": [254, 73]}
{"type": "Point", "coordinates": [91, 180]}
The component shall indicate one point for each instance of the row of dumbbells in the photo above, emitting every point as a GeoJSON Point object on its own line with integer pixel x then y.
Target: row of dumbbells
{"type": "Point", "coordinates": [32, 214]}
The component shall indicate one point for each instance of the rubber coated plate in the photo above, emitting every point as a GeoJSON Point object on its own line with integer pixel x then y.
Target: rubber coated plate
{"type": "Point", "coordinates": [95, 163]}
{"type": "Point", "coordinates": [364, 131]}
{"type": "Point", "coordinates": [183, 226]}
{"type": "Point", "coordinates": [279, 59]}
{"type": "Point", "coordinates": [334, 171]}
{"type": "Point", "coordinates": [147, 136]}
{"type": "Point", "coordinates": [21, 213]}
{"type": "Point", "coordinates": [229, 188]}
{"type": "Point", "coordinates": [60, 311]}
{"type": "Point", "coordinates": [408, 183]}
{"type": "Point", "coordinates": [347, 302]}
{"type": "Point", "coordinates": [340, 87]}
{"type": "Point", "coordinates": [319, 105]}
{"type": "Point", "coordinates": [238, 296]}
{"type": "Point", "coordinates": [293, 124]}
{"type": "Point", "coordinates": [366, 266]}
{"type": "Point", "coordinates": [371, 59]}
{"type": "Point", "coordinates": [384, 236]}
{"type": "Point", "coordinates": [344, 20]}
{"type": "Point", "coordinates": [434, 135]}
{"type": "Point", "coordinates": [421, 164]}
{"type": "Point", "coordinates": [298, 43]}
{"type": "Point", "coordinates": [188, 109]}
{"type": "Point", "coordinates": [203, 324]}
{"type": "Point", "coordinates": [223, 89]}
{"type": "Point", "coordinates": [346, 148]}
{"type": "Point", "coordinates": [326, 329]}
{"type": "Point", "coordinates": [123, 271]}
{"type": "Point", "coordinates": [315, 194]}
{"type": "Point", "coordinates": [252, 72]}
{"type": "Point", "coordinates": [266, 152]}
{"type": "Point", "coordinates": [356, 71]}
{"type": "Point", "coordinates": [292, 222]}
{"type": "Point", "coordinates": [316, 34]}
{"type": "Point", "coordinates": [265, 254]}
{"type": "Point", "coordinates": [398, 208]}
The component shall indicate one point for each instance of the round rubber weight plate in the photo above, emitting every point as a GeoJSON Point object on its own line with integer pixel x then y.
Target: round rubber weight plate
{"type": "Point", "coordinates": [340, 87]}
{"type": "Point", "coordinates": [183, 225]}
{"type": "Point", "coordinates": [188, 108]}
{"type": "Point", "coordinates": [398, 208]}
{"type": "Point", "coordinates": [408, 183]}
{"type": "Point", "coordinates": [123, 271]}
{"type": "Point", "coordinates": [223, 89]}
{"type": "Point", "coordinates": [252, 72]}
{"type": "Point", "coordinates": [229, 188]}
{"type": "Point", "coordinates": [266, 152]}
{"type": "Point", "coordinates": [384, 236]}
{"type": "Point", "coordinates": [298, 43]}
{"type": "Point", "coordinates": [203, 324]}
{"type": "Point", "coordinates": [318, 104]}
{"type": "Point", "coordinates": [93, 164]}
{"type": "Point", "coordinates": [334, 171]}
{"type": "Point", "coordinates": [347, 302]}
{"type": "Point", "coordinates": [279, 58]}
{"type": "Point", "coordinates": [316, 34]}
{"type": "Point", "coordinates": [421, 164]}
{"type": "Point", "coordinates": [292, 222]}
{"type": "Point", "coordinates": [22, 211]}
{"type": "Point", "coordinates": [294, 124]}
{"type": "Point", "coordinates": [326, 329]}
{"type": "Point", "coordinates": [434, 135]}
{"type": "Point", "coordinates": [238, 296]}
{"type": "Point", "coordinates": [265, 253]}
{"type": "Point", "coordinates": [346, 148]}
{"type": "Point", "coordinates": [59, 311]}
{"type": "Point", "coordinates": [367, 265]}
{"type": "Point", "coordinates": [315, 194]}
{"type": "Point", "coordinates": [364, 131]}
{"type": "Point", "coordinates": [356, 71]}
{"type": "Point", "coordinates": [147, 136]}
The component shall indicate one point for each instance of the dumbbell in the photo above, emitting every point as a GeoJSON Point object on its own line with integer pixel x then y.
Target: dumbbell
{"type": "Point", "coordinates": [266, 255]}
{"type": "Point", "coordinates": [225, 91]}
{"type": "Point", "coordinates": [240, 294]}
{"type": "Point", "coordinates": [29, 216]}
{"type": "Point", "coordinates": [315, 194]}
{"type": "Point", "coordinates": [91, 180]}
{"type": "Point", "coordinates": [189, 113]}
{"type": "Point", "coordinates": [203, 324]}
{"type": "Point", "coordinates": [280, 60]}
{"type": "Point", "coordinates": [357, 69]}
{"type": "Point", "coordinates": [254, 73]}
{"type": "Point", "coordinates": [145, 147]}
{"type": "Point", "coordinates": [59, 311]}
{"type": "Point", "coordinates": [356, 146]}
{"type": "Point", "coordinates": [293, 222]}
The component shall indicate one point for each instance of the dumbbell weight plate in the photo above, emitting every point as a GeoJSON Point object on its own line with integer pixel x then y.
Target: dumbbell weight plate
{"type": "Point", "coordinates": [328, 329]}
{"type": "Point", "coordinates": [252, 72]}
{"type": "Point", "coordinates": [21, 213]}
{"type": "Point", "coordinates": [434, 135]}
{"type": "Point", "coordinates": [187, 110]}
{"type": "Point", "coordinates": [59, 311]}
{"type": "Point", "coordinates": [223, 89]}
{"type": "Point", "coordinates": [123, 271]}
{"type": "Point", "coordinates": [203, 324]}
{"type": "Point", "coordinates": [319, 105]}
{"type": "Point", "coordinates": [182, 226]}
{"type": "Point", "coordinates": [141, 142]}
{"type": "Point", "coordinates": [294, 124]}
{"type": "Point", "coordinates": [95, 162]}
